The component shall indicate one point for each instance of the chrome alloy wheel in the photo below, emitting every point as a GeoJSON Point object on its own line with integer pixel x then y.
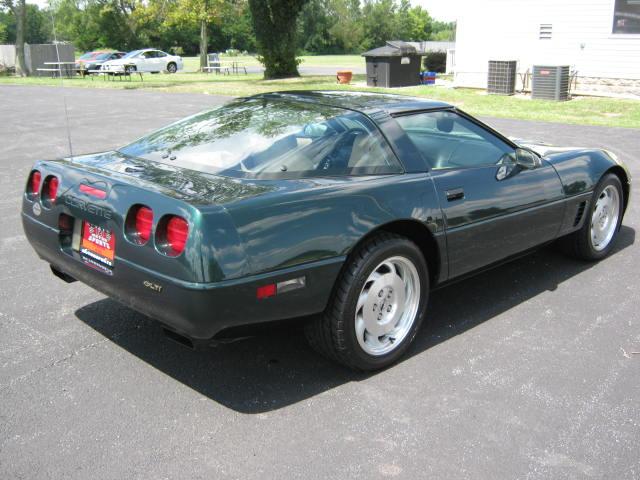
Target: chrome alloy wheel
{"type": "Point", "coordinates": [604, 219]}
{"type": "Point", "coordinates": [387, 306]}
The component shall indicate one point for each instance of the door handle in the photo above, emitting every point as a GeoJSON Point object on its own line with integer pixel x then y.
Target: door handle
{"type": "Point", "coordinates": [455, 194]}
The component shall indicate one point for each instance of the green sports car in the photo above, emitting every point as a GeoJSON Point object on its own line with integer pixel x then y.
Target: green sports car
{"type": "Point", "coordinates": [339, 211]}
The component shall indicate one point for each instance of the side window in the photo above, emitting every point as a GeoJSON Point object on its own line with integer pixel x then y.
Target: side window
{"type": "Point", "coordinates": [344, 145]}
{"type": "Point", "coordinates": [149, 54]}
{"type": "Point", "coordinates": [160, 54]}
{"type": "Point", "coordinates": [447, 140]}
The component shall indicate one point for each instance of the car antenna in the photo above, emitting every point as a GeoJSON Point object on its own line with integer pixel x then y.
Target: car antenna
{"type": "Point", "coordinates": [64, 97]}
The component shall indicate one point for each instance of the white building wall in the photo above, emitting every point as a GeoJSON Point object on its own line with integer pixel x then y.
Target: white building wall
{"type": "Point", "coordinates": [509, 30]}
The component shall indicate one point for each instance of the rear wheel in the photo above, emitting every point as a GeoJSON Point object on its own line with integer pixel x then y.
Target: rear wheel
{"type": "Point", "coordinates": [596, 237]}
{"type": "Point", "coordinates": [376, 307]}
{"type": "Point", "coordinates": [172, 68]}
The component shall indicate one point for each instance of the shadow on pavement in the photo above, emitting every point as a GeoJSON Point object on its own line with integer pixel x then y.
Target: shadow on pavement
{"type": "Point", "coordinates": [273, 371]}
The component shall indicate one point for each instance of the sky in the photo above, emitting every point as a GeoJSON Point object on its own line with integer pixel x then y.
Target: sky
{"type": "Point", "coordinates": [445, 10]}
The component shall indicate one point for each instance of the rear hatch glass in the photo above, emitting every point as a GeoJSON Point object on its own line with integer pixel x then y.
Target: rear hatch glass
{"type": "Point", "coordinates": [271, 139]}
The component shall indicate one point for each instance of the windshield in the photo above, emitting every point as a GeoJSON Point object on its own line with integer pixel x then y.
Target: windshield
{"type": "Point", "coordinates": [132, 54]}
{"type": "Point", "coordinates": [267, 138]}
{"type": "Point", "coordinates": [88, 55]}
{"type": "Point", "coordinates": [103, 56]}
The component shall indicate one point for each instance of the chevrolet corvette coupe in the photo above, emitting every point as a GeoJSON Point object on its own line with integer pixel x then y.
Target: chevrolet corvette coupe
{"type": "Point", "coordinates": [340, 211]}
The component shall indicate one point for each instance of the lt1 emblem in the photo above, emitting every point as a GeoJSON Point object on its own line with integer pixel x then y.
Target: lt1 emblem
{"type": "Point", "coordinates": [152, 286]}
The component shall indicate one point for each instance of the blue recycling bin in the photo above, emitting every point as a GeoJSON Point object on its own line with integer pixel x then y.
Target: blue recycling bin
{"type": "Point", "coordinates": [428, 78]}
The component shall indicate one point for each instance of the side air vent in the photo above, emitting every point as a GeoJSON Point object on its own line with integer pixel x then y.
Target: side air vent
{"type": "Point", "coordinates": [545, 32]}
{"type": "Point", "coordinates": [579, 213]}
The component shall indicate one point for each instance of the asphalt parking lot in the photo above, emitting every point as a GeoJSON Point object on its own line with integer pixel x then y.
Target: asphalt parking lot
{"type": "Point", "coordinates": [526, 371]}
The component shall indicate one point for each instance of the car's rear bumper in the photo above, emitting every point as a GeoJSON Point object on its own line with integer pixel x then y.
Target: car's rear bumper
{"type": "Point", "coordinates": [196, 310]}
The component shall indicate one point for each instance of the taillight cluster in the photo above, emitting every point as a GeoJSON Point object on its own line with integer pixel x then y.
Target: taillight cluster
{"type": "Point", "coordinates": [34, 182]}
{"type": "Point", "coordinates": [171, 234]}
{"type": "Point", "coordinates": [144, 223]}
{"type": "Point", "coordinates": [177, 232]}
{"type": "Point", "coordinates": [49, 187]}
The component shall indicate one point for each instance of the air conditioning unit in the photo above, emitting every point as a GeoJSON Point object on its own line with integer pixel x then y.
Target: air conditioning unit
{"type": "Point", "coordinates": [502, 77]}
{"type": "Point", "coordinates": [551, 82]}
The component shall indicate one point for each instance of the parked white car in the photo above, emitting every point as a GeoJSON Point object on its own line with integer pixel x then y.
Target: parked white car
{"type": "Point", "coordinates": [147, 60]}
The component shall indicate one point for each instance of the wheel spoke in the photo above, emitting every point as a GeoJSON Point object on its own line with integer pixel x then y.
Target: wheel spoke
{"type": "Point", "coordinates": [361, 300]}
{"type": "Point", "coordinates": [360, 329]}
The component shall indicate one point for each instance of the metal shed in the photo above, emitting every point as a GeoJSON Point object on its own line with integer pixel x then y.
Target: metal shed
{"type": "Point", "coordinates": [397, 64]}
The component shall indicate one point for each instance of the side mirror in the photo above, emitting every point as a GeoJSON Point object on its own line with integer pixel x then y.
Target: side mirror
{"type": "Point", "coordinates": [527, 159]}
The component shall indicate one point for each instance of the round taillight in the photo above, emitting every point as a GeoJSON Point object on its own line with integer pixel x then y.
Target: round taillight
{"type": "Point", "coordinates": [34, 184]}
{"type": "Point", "coordinates": [144, 222]}
{"type": "Point", "coordinates": [177, 232]}
{"type": "Point", "coordinates": [50, 191]}
{"type": "Point", "coordinates": [139, 224]}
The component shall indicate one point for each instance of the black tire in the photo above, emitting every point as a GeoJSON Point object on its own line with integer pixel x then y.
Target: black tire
{"type": "Point", "coordinates": [172, 67]}
{"type": "Point", "coordinates": [579, 244]}
{"type": "Point", "coordinates": [333, 334]}
{"type": "Point", "coordinates": [130, 69]}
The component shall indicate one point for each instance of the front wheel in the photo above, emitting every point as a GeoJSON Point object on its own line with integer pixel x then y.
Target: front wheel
{"type": "Point", "coordinates": [376, 307]}
{"type": "Point", "coordinates": [598, 234]}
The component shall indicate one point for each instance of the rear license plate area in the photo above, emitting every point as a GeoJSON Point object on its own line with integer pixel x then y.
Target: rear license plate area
{"type": "Point", "coordinates": [97, 247]}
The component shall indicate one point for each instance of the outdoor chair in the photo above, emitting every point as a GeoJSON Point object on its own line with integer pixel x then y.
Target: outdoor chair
{"type": "Point", "coordinates": [214, 64]}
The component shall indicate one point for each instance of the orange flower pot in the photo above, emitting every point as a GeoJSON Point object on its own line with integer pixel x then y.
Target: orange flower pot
{"type": "Point", "coordinates": [344, 77]}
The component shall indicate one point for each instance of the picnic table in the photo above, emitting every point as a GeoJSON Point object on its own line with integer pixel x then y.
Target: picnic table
{"type": "Point", "coordinates": [225, 67]}
{"type": "Point", "coordinates": [66, 68]}
{"type": "Point", "coordinates": [236, 65]}
{"type": "Point", "coordinates": [110, 75]}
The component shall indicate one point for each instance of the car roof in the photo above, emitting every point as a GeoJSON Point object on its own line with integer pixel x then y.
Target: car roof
{"type": "Point", "coordinates": [365, 102]}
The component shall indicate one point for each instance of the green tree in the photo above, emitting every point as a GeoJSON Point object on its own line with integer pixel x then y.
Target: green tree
{"type": "Point", "coordinates": [379, 23]}
{"type": "Point", "coordinates": [275, 26]}
{"type": "Point", "coordinates": [19, 10]}
{"type": "Point", "coordinates": [237, 28]}
{"type": "Point", "coordinates": [313, 26]}
{"type": "Point", "coordinates": [37, 26]}
{"type": "Point", "coordinates": [443, 31]}
{"type": "Point", "coordinates": [95, 24]}
{"type": "Point", "coordinates": [412, 23]}
{"type": "Point", "coordinates": [346, 25]}
{"type": "Point", "coordinates": [201, 13]}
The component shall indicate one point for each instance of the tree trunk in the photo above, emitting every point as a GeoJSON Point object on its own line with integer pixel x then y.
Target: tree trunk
{"type": "Point", "coordinates": [204, 44]}
{"type": "Point", "coordinates": [20, 12]}
{"type": "Point", "coordinates": [274, 23]}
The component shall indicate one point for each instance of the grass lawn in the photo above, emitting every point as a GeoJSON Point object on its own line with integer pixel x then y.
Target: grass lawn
{"type": "Point", "coordinates": [582, 110]}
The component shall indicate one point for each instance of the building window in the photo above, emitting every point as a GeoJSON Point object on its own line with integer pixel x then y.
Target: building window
{"type": "Point", "coordinates": [626, 16]}
{"type": "Point", "coordinates": [545, 31]}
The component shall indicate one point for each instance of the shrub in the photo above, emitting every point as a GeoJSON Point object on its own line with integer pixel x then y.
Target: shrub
{"type": "Point", "coordinates": [436, 61]}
